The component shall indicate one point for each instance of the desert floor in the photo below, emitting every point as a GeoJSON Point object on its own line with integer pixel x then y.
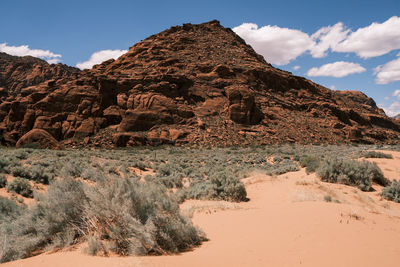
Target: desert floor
{"type": "Point", "coordinates": [287, 222]}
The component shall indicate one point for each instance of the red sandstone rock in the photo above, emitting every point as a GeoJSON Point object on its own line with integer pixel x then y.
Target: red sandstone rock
{"type": "Point", "coordinates": [197, 84]}
{"type": "Point", "coordinates": [38, 137]}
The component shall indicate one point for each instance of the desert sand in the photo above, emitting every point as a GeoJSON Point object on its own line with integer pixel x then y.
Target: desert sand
{"type": "Point", "coordinates": [287, 222]}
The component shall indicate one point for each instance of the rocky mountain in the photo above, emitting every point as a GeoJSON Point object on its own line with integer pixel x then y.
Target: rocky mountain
{"type": "Point", "coordinates": [196, 84]}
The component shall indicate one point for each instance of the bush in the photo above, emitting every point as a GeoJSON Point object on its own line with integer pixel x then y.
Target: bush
{"type": "Point", "coordinates": [375, 154]}
{"type": "Point", "coordinates": [310, 162]}
{"type": "Point", "coordinates": [137, 218]}
{"type": "Point", "coordinates": [392, 192]}
{"type": "Point", "coordinates": [3, 181]}
{"type": "Point", "coordinates": [219, 186]}
{"type": "Point", "coordinates": [20, 186]}
{"type": "Point", "coordinates": [351, 172]}
{"type": "Point", "coordinates": [9, 209]}
{"type": "Point", "coordinates": [127, 216]}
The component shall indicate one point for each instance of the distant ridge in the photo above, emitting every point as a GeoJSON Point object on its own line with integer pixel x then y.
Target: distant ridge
{"type": "Point", "coordinates": [191, 84]}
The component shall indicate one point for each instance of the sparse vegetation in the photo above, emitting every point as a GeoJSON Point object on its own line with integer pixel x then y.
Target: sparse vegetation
{"type": "Point", "coordinates": [351, 172]}
{"type": "Point", "coordinates": [375, 154]}
{"type": "Point", "coordinates": [126, 201]}
{"type": "Point", "coordinates": [392, 192]}
{"type": "Point", "coordinates": [20, 186]}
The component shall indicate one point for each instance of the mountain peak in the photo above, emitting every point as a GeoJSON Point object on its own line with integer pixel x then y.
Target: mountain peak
{"type": "Point", "coordinates": [199, 84]}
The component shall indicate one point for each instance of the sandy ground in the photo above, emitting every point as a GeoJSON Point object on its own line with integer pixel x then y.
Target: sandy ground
{"type": "Point", "coordinates": [287, 222]}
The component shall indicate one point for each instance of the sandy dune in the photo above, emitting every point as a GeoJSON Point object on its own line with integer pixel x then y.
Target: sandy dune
{"type": "Point", "coordinates": [287, 222]}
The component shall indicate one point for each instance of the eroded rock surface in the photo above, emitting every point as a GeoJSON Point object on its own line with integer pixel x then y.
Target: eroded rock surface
{"type": "Point", "coordinates": [191, 84]}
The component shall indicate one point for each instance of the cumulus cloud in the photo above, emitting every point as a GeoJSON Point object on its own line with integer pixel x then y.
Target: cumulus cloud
{"type": "Point", "coordinates": [374, 40]}
{"type": "Point", "coordinates": [337, 69]}
{"type": "Point", "coordinates": [24, 50]}
{"type": "Point", "coordinates": [278, 45]}
{"type": "Point", "coordinates": [397, 94]}
{"type": "Point", "coordinates": [393, 109]}
{"type": "Point", "coordinates": [99, 57]}
{"type": "Point", "coordinates": [282, 45]}
{"type": "Point", "coordinates": [390, 72]}
{"type": "Point", "coordinates": [328, 38]}
{"type": "Point", "coordinates": [296, 67]}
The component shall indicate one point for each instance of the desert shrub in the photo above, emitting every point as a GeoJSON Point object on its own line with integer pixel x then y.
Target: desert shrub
{"type": "Point", "coordinates": [138, 218]}
{"type": "Point", "coordinates": [328, 198]}
{"type": "Point", "coordinates": [310, 162]}
{"type": "Point", "coordinates": [281, 167]}
{"type": "Point", "coordinates": [220, 185]}
{"type": "Point", "coordinates": [127, 216]}
{"type": "Point", "coordinates": [20, 186]}
{"type": "Point", "coordinates": [351, 172]}
{"type": "Point", "coordinates": [41, 174]}
{"type": "Point", "coordinates": [3, 181]}
{"type": "Point", "coordinates": [9, 209]}
{"type": "Point", "coordinates": [54, 222]}
{"type": "Point", "coordinates": [94, 246]}
{"type": "Point", "coordinates": [375, 154]}
{"type": "Point", "coordinates": [3, 164]}
{"type": "Point", "coordinates": [392, 192]}
{"type": "Point", "coordinates": [20, 171]}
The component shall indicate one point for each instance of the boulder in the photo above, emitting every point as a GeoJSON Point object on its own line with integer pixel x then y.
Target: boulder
{"type": "Point", "coordinates": [40, 138]}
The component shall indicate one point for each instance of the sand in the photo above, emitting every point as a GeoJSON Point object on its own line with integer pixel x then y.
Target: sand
{"type": "Point", "coordinates": [287, 222]}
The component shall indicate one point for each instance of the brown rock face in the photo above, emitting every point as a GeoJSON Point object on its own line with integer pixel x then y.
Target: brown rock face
{"type": "Point", "coordinates": [38, 137]}
{"type": "Point", "coordinates": [196, 84]}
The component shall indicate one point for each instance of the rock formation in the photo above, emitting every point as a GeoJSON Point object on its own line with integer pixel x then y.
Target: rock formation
{"type": "Point", "coordinates": [195, 84]}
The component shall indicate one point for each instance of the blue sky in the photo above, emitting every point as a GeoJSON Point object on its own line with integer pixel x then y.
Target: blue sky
{"type": "Point", "coordinates": [72, 32]}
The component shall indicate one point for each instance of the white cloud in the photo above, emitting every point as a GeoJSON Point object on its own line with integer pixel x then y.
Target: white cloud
{"type": "Point", "coordinates": [99, 57]}
{"type": "Point", "coordinates": [282, 45]}
{"type": "Point", "coordinates": [386, 98]}
{"type": "Point", "coordinates": [278, 45]}
{"type": "Point", "coordinates": [24, 50]}
{"type": "Point", "coordinates": [390, 72]}
{"type": "Point", "coordinates": [337, 69]}
{"type": "Point", "coordinates": [374, 40]}
{"type": "Point", "coordinates": [327, 38]}
{"type": "Point", "coordinates": [332, 87]}
{"type": "Point", "coordinates": [397, 94]}
{"type": "Point", "coordinates": [296, 67]}
{"type": "Point", "coordinates": [393, 109]}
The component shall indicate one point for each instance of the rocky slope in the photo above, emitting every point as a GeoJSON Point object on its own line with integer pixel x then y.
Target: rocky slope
{"type": "Point", "coordinates": [196, 84]}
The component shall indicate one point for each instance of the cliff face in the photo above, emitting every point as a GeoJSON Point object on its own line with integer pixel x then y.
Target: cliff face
{"type": "Point", "coordinates": [197, 84]}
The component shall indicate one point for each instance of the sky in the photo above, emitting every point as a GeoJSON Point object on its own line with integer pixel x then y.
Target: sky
{"type": "Point", "coordinates": [342, 45]}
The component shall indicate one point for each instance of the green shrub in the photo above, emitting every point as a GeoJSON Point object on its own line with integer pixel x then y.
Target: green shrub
{"type": "Point", "coordinates": [3, 164]}
{"type": "Point", "coordinates": [9, 209]}
{"type": "Point", "coordinates": [351, 172]}
{"type": "Point", "coordinates": [310, 162]}
{"type": "Point", "coordinates": [3, 181]}
{"type": "Point", "coordinates": [375, 154]}
{"type": "Point", "coordinates": [20, 186]}
{"type": "Point", "coordinates": [219, 186]}
{"type": "Point", "coordinates": [392, 192]}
